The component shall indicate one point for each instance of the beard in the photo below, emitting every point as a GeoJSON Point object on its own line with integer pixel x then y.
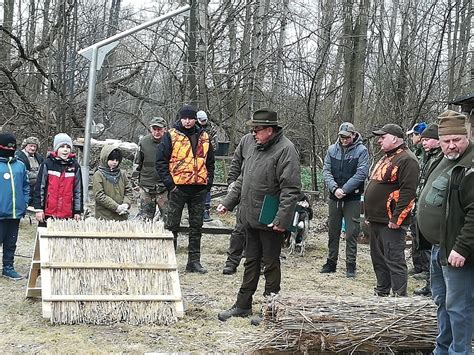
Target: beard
{"type": "Point", "coordinates": [452, 156]}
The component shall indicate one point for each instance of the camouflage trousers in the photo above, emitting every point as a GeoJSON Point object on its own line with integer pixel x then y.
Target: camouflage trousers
{"type": "Point", "coordinates": [148, 200]}
{"type": "Point", "coordinates": [195, 202]}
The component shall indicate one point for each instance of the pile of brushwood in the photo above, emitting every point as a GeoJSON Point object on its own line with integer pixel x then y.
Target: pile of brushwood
{"type": "Point", "coordinates": [348, 325]}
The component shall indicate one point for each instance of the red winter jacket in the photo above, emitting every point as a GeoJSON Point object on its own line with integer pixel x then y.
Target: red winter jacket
{"type": "Point", "coordinates": [58, 190]}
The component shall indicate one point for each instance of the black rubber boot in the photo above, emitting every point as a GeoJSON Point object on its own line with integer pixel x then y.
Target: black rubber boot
{"type": "Point", "coordinates": [329, 267]}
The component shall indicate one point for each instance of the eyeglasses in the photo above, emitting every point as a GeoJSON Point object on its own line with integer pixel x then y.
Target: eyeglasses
{"type": "Point", "coordinates": [255, 130]}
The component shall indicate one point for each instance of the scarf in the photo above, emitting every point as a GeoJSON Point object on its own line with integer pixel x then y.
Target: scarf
{"type": "Point", "coordinates": [112, 176]}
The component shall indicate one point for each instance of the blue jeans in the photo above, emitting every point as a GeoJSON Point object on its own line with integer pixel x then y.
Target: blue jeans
{"type": "Point", "coordinates": [453, 293]}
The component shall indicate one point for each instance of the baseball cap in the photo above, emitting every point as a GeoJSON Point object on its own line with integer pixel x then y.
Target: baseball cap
{"type": "Point", "coordinates": [346, 129]}
{"type": "Point", "coordinates": [158, 121]}
{"type": "Point", "coordinates": [390, 128]}
{"type": "Point", "coordinates": [417, 128]}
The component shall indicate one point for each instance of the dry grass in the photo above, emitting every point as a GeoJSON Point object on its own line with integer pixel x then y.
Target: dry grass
{"type": "Point", "coordinates": [23, 330]}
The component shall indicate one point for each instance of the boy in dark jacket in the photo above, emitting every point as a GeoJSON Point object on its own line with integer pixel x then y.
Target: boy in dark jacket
{"type": "Point", "coordinates": [14, 198]}
{"type": "Point", "coordinates": [58, 190]}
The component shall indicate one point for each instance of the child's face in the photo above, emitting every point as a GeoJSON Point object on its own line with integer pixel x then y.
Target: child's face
{"type": "Point", "coordinates": [112, 163]}
{"type": "Point", "coordinates": [64, 151]}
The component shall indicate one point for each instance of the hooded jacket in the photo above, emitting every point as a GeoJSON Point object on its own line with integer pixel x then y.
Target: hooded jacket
{"type": "Point", "coordinates": [270, 169]}
{"type": "Point", "coordinates": [346, 168]}
{"type": "Point", "coordinates": [107, 194]}
{"type": "Point", "coordinates": [14, 187]}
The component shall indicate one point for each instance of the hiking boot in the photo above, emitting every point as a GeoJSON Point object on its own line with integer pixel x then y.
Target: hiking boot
{"type": "Point", "coordinates": [424, 275]}
{"type": "Point", "coordinates": [229, 270]}
{"type": "Point", "coordinates": [206, 217]}
{"type": "Point", "coordinates": [380, 294]}
{"type": "Point", "coordinates": [424, 291]}
{"type": "Point", "coordinates": [234, 312]}
{"type": "Point", "coordinates": [195, 266]}
{"type": "Point", "coordinates": [10, 273]}
{"type": "Point", "coordinates": [350, 270]}
{"type": "Point", "coordinates": [329, 267]}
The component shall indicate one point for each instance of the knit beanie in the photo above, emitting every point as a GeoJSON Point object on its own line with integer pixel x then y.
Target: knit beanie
{"type": "Point", "coordinates": [61, 139]}
{"type": "Point", "coordinates": [187, 111]}
{"type": "Point", "coordinates": [7, 145]}
{"type": "Point", "coordinates": [452, 122]}
{"type": "Point", "coordinates": [430, 132]}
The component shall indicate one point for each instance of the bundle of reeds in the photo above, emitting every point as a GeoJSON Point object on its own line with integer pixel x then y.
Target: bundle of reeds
{"type": "Point", "coordinates": [102, 272]}
{"type": "Point", "coordinates": [348, 325]}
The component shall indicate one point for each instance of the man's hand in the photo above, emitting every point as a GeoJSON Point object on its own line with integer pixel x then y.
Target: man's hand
{"type": "Point", "coordinates": [221, 209]}
{"type": "Point", "coordinates": [392, 225]}
{"type": "Point", "coordinates": [77, 217]}
{"type": "Point", "coordinates": [455, 259]}
{"type": "Point", "coordinates": [40, 216]}
{"type": "Point", "coordinates": [278, 229]}
{"type": "Point", "coordinates": [339, 193]}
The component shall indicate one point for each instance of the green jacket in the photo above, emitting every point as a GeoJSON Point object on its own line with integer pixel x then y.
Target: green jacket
{"type": "Point", "coordinates": [109, 195]}
{"type": "Point", "coordinates": [457, 229]}
{"type": "Point", "coordinates": [270, 169]}
{"type": "Point", "coordinates": [145, 160]}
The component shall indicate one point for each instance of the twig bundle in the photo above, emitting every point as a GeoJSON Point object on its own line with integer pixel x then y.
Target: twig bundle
{"type": "Point", "coordinates": [102, 272]}
{"type": "Point", "coordinates": [348, 325]}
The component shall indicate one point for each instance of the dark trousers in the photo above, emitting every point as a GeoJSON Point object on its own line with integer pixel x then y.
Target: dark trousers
{"type": "Point", "coordinates": [421, 256]}
{"type": "Point", "coordinates": [236, 245]}
{"type": "Point", "coordinates": [262, 246]}
{"type": "Point", "coordinates": [8, 237]}
{"type": "Point", "coordinates": [350, 210]}
{"type": "Point", "coordinates": [387, 250]}
{"type": "Point", "coordinates": [195, 202]}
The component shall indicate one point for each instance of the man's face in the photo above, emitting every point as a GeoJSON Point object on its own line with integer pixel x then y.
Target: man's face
{"type": "Point", "coordinates": [261, 134]}
{"type": "Point", "coordinates": [346, 140]}
{"type": "Point", "coordinates": [188, 122]}
{"type": "Point", "coordinates": [31, 148]}
{"type": "Point", "coordinates": [429, 144]}
{"type": "Point", "coordinates": [64, 151]}
{"type": "Point", "coordinates": [415, 138]}
{"type": "Point", "coordinates": [453, 145]}
{"type": "Point", "coordinates": [157, 132]}
{"type": "Point", "coordinates": [203, 123]}
{"type": "Point", "coordinates": [387, 142]}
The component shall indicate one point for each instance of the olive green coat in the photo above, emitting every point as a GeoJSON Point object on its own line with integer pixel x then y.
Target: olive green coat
{"type": "Point", "coordinates": [108, 195]}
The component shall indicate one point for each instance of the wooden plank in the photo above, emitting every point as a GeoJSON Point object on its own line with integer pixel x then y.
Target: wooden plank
{"type": "Point", "coordinates": [111, 298]}
{"type": "Point", "coordinates": [45, 273]}
{"type": "Point", "coordinates": [31, 288]}
{"type": "Point", "coordinates": [108, 235]}
{"type": "Point", "coordinates": [208, 230]}
{"type": "Point", "coordinates": [108, 265]}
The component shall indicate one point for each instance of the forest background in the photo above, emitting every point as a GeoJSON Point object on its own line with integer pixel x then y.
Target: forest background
{"type": "Point", "coordinates": [317, 63]}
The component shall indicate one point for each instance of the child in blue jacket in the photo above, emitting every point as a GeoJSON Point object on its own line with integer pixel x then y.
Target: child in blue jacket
{"type": "Point", "coordinates": [14, 198]}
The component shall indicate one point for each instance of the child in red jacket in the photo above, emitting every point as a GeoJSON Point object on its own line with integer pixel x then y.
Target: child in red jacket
{"type": "Point", "coordinates": [58, 189]}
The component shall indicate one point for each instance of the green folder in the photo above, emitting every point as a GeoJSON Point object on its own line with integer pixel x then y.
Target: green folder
{"type": "Point", "coordinates": [269, 210]}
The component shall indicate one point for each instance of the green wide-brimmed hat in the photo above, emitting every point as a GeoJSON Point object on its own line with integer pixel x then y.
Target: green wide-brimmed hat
{"type": "Point", "coordinates": [263, 117]}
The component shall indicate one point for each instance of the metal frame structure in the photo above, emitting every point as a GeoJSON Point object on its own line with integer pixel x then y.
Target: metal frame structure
{"type": "Point", "coordinates": [96, 53]}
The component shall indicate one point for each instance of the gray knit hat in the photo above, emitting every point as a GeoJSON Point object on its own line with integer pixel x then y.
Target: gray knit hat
{"type": "Point", "coordinates": [61, 139]}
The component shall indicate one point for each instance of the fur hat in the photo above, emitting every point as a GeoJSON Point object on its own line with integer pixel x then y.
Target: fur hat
{"type": "Point", "coordinates": [61, 139]}
{"type": "Point", "coordinates": [452, 122]}
{"type": "Point", "coordinates": [30, 140]}
{"type": "Point", "coordinates": [430, 132]}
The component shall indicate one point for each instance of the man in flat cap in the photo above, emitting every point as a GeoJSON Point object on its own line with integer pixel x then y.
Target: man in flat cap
{"type": "Point", "coordinates": [345, 170]}
{"type": "Point", "coordinates": [446, 219]}
{"type": "Point", "coordinates": [271, 172]}
{"type": "Point", "coordinates": [152, 190]}
{"type": "Point", "coordinates": [389, 199]}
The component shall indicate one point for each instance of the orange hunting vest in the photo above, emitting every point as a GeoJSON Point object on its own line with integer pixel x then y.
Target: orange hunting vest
{"type": "Point", "coordinates": [186, 168]}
